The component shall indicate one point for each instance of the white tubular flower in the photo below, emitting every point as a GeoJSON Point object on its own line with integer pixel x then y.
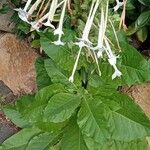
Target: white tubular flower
{"type": "Point", "coordinates": [112, 59]}
{"type": "Point", "coordinates": [90, 22]}
{"type": "Point", "coordinates": [27, 5]}
{"type": "Point", "coordinates": [119, 4]}
{"type": "Point", "coordinates": [59, 30]}
{"type": "Point", "coordinates": [117, 73]}
{"type": "Point", "coordinates": [23, 15]}
{"type": "Point", "coordinates": [84, 41]}
{"type": "Point", "coordinates": [52, 11]}
{"type": "Point", "coordinates": [102, 30]}
{"type": "Point", "coordinates": [71, 78]}
{"type": "Point", "coordinates": [101, 34]}
{"type": "Point", "coordinates": [34, 7]}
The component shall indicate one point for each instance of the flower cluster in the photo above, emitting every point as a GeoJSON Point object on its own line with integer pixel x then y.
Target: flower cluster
{"type": "Point", "coordinates": [26, 13]}
{"type": "Point", "coordinates": [103, 42]}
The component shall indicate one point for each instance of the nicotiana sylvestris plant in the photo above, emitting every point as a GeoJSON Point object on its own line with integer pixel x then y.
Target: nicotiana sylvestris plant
{"type": "Point", "coordinates": [80, 108]}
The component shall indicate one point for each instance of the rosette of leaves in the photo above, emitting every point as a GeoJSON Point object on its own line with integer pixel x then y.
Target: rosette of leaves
{"type": "Point", "coordinates": [89, 114]}
{"type": "Point", "coordinates": [138, 18]}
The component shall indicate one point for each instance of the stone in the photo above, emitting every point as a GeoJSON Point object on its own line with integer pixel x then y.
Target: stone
{"type": "Point", "coordinates": [5, 19]}
{"type": "Point", "coordinates": [17, 69]}
{"type": "Point", "coordinates": [7, 128]}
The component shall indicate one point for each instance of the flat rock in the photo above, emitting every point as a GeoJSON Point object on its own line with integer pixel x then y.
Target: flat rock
{"type": "Point", "coordinates": [5, 22]}
{"type": "Point", "coordinates": [17, 69]}
{"type": "Point", "coordinates": [7, 128]}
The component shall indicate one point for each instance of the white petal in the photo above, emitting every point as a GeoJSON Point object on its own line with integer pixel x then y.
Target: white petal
{"type": "Point", "coordinates": [48, 24]}
{"type": "Point", "coordinates": [112, 60]}
{"type": "Point", "coordinates": [58, 42]}
{"type": "Point", "coordinates": [23, 15]}
{"type": "Point", "coordinates": [71, 79]}
{"type": "Point", "coordinates": [117, 73]}
{"type": "Point", "coordinates": [80, 44]}
{"type": "Point", "coordinates": [58, 31]}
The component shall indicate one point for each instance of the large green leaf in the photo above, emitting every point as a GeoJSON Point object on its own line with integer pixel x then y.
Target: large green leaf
{"type": "Point", "coordinates": [20, 140]}
{"type": "Point", "coordinates": [110, 117]}
{"type": "Point", "coordinates": [42, 78]}
{"type": "Point", "coordinates": [61, 106]}
{"type": "Point", "coordinates": [72, 138]}
{"type": "Point", "coordinates": [129, 110]}
{"type": "Point", "coordinates": [140, 144]}
{"type": "Point", "coordinates": [92, 119]}
{"type": "Point", "coordinates": [34, 112]}
{"type": "Point", "coordinates": [143, 19]}
{"type": "Point", "coordinates": [125, 116]}
{"type": "Point", "coordinates": [134, 67]}
{"type": "Point", "coordinates": [43, 141]}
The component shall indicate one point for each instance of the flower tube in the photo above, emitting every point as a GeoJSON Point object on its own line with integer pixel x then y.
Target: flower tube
{"type": "Point", "coordinates": [112, 59]}
{"type": "Point", "coordinates": [51, 13]}
{"type": "Point", "coordinates": [59, 30]}
{"type": "Point", "coordinates": [27, 5]}
{"type": "Point", "coordinates": [34, 7]}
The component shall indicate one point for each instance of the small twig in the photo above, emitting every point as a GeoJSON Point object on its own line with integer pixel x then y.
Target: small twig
{"type": "Point", "coordinates": [40, 8]}
{"type": "Point", "coordinates": [69, 7]}
{"type": "Point", "coordinates": [45, 8]}
{"type": "Point", "coordinates": [123, 16]}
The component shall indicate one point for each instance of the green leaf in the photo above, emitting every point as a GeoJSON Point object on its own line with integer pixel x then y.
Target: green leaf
{"type": "Point", "coordinates": [72, 138]}
{"type": "Point", "coordinates": [132, 114]}
{"type": "Point", "coordinates": [142, 34]}
{"type": "Point", "coordinates": [56, 75]}
{"type": "Point", "coordinates": [140, 144]}
{"type": "Point", "coordinates": [42, 78]}
{"type": "Point", "coordinates": [125, 115]}
{"type": "Point", "coordinates": [110, 117]}
{"type": "Point", "coordinates": [16, 117]}
{"type": "Point", "coordinates": [36, 43]}
{"type": "Point", "coordinates": [20, 140]}
{"type": "Point", "coordinates": [143, 19]}
{"type": "Point", "coordinates": [91, 119]}
{"type": "Point", "coordinates": [145, 2]}
{"type": "Point", "coordinates": [61, 55]}
{"type": "Point", "coordinates": [61, 106]}
{"type": "Point", "coordinates": [24, 102]}
{"type": "Point", "coordinates": [135, 69]}
{"type": "Point", "coordinates": [5, 9]}
{"type": "Point", "coordinates": [50, 126]}
{"type": "Point", "coordinates": [43, 141]}
{"type": "Point", "coordinates": [34, 112]}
